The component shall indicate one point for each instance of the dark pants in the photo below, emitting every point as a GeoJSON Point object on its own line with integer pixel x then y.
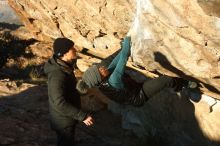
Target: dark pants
{"type": "Point", "coordinates": [65, 137]}
{"type": "Point", "coordinates": [154, 86]}
{"type": "Point", "coordinates": [64, 128]}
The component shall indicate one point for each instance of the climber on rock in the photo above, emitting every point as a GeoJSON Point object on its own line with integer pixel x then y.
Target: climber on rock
{"type": "Point", "coordinates": [109, 76]}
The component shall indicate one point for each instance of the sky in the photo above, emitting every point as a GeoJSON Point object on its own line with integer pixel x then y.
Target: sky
{"type": "Point", "coordinates": [7, 15]}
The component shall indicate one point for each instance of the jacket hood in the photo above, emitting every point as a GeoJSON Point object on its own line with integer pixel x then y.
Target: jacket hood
{"type": "Point", "coordinates": [51, 65]}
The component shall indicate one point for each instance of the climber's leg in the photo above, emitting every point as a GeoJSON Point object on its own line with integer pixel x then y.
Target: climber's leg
{"type": "Point", "coordinates": [118, 65]}
{"type": "Point", "coordinates": [154, 86]}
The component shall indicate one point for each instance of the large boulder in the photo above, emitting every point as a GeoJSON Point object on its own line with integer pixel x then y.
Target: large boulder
{"type": "Point", "coordinates": [177, 38]}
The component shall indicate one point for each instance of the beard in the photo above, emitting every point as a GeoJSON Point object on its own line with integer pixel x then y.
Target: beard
{"type": "Point", "coordinates": [72, 63]}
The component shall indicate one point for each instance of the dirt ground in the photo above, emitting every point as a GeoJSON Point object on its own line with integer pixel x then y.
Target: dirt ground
{"type": "Point", "coordinates": [24, 120]}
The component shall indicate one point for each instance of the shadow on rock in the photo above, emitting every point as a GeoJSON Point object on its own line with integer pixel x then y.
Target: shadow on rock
{"type": "Point", "coordinates": [167, 119]}
{"type": "Point", "coordinates": [4, 25]}
{"type": "Point", "coordinates": [13, 47]}
{"type": "Point", "coordinates": [164, 62]}
{"type": "Point", "coordinates": [14, 54]}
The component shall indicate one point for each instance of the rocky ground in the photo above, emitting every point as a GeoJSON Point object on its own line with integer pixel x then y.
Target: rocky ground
{"type": "Point", "coordinates": [24, 120]}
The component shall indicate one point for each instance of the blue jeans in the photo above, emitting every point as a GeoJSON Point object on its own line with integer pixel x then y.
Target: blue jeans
{"type": "Point", "coordinates": [117, 66]}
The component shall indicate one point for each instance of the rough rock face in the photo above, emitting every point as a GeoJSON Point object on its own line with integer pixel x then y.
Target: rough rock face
{"type": "Point", "coordinates": [92, 24]}
{"type": "Point", "coordinates": [178, 38]}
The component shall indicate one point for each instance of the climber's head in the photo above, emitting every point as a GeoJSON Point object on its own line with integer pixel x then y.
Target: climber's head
{"type": "Point", "coordinates": [104, 72]}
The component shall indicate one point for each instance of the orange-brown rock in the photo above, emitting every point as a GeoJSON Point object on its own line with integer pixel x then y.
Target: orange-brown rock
{"type": "Point", "coordinates": [178, 38]}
